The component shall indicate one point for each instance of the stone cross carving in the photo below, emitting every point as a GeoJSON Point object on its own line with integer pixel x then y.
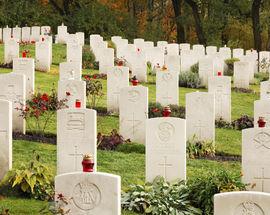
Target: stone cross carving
{"type": "Point", "coordinates": [219, 98]}
{"type": "Point", "coordinates": [135, 123]}
{"type": "Point", "coordinates": [262, 178]}
{"type": "Point", "coordinates": [76, 155]}
{"type": "Point", "coordinates": [165, 165]}
{"type": "Point", "coordinates": [200, 126]}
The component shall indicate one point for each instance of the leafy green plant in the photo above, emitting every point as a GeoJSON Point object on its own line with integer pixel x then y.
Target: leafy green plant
{"type": "Point", "coordinates": [110, 142]}
{"type": "Point", "coordinates": [34, 179]}
{"type": "Point", "coordinates": [203, 188]}
{"type": "Point", "coordinates": [189, 80]}
{"type": "Point", "coordinates": [159, 198]}
{"type": "Point", "coordinates": [88, 58]}
{"type": "Point", "coordinates": [197, 148]}
{"type": "Point", "coordinates": [221, 123]}
{"type": "Point", "coordinates": [243, 122]}
{"type": "Point", "coordinates": [195, 68]}
{"type": "Point", "coordinates": [230, 64]}
{"type": "Point", "coordinates": [93, 91]}
{"type": "Point", "coordinates": [262, 76]}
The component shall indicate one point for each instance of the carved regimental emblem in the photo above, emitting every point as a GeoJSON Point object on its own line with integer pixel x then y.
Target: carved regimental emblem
{"type": "Point", "coordinates": [75, 121]}
{"type": "Point", "coordinates": [262, 139]}
{"type": "Point", "coordinates": [86, 195]}
{"type": "Point", "coordinates": [248, 208]}
{"type": "Point", "coordinates": [133, 95]}
{"type": "Point", "coordinates": [165, 131]}
{"type": "Point", "coordinates": [167, 77]}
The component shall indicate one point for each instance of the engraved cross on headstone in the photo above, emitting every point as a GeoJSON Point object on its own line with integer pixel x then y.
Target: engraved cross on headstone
{"type": "Point", "coordinates": [199, 127]}
{"type": "Point", "coordinates": [76, 155]}
{"type": "Point", "coordinates": [167, 97]}
{"type": "Point", "coordinates": [165, 165]}
{"type": "Point", "coordinates": [135, 123]}
{"type": "Point", "coordinates": [262, 178]}
{"type": "Point", "coordinates": [219, 95]}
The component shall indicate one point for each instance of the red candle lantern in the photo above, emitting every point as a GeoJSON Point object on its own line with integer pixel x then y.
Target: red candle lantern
{"type": "Point", "coordinates": [78, 103]}
{"type": "Point", "coordinates": [261, 122]}
{"type": "Point", "coordinates": [166, 111]}
{"type": "Point", "coordinates": [24, 54]}
{"type": "Point", "coordinates": [134, 81]}
{"type": "Point", "coordinates": [120, 63]}
{"type": "Point", "coordinates": [219, 73]}
{"type": "Point", "coordinates": [42, 39]}
{"type": "Point", "coordinates": [88, 163]}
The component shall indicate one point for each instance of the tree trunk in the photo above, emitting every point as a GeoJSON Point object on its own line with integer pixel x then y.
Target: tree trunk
{"type": "Point", "coordinates": [177, 7]}
{"type": "Point", "coordinates": [198, 22]}
{"type": "Point", "coordinates": [268, 42]}
{"type": "Point", "coordinates": [256, 24]}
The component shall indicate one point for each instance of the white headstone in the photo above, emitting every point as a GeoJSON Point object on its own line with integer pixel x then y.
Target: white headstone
{"type": "Point", "coordinates": [95, 193]}
{"type": "Point", "coordinates": [156, 56]}
{"type": "Point", "coordinates": [62, 33]}
{"type": "Point", "coordinates": [76, 137]}
{"type": "Point", "coordinates": [238, 53]}
{"type": "Point", "coordinates": [184, 46]}
{"type": "Point", "coordinates": [256, 158]}
{"type": "Point", "coordinates": [81, 37]}
{"type": "Point", "coordinates": [26, 32]}
{"type": "Point", "coordinates": [139, 65]}
{"type": "Point", "coordinates": [166, 148]}
{"type": "Point", "coordinates": [133, 109]}
{"type": "Point", "coordinates": [139, 43]}
{"type": "Point", "coordinates": [11, 48]}
{"type": "Point", "coordinates": [262, 109]}
{"type": "Point", "coordinates": [173, 49]}
{"type": "Point", "coordinates": [187, 60]}
{"type": "Point", "coordinates": [5, 137]}
{"type": "Point", "coordinates": [206, 70]}
{"type": "Point", "coordinates": [211, 50]}
{"type": "Point", "coordinates": [120, 47]}
{"type": "Point", "coordinates": [6, 34]}
{"type": "Point", "coordinates": [198, 51]}
{"type": "Point", "coordinates": [115, 39]}
{"type": "Point", "coordinates": [106, 61]}
{"type": "Point", "coordinates": [250, 61]}
{"type": "Point", "coordinates": [45, 30]}
{"type": "Point", "coordinates": [264, 61]}
{"type": "Point", "coordinates": [71, 91]}
{"type": "Point", "coordinates": [117, 78]}
{"type": "Point", "coordinates": [43, 56]}
{"type": "Point", "coordinates": [26, 66]}
{"type": "Point", "coordinates": [172, 63]}
{"type": "Point", "coordinates": [265, 90]}
{"type": "Point", "coordinates": [225, 53]}
{"type": "Point", "coordinates": [35, 33]}
{"type": "Point", "coordinates": [70, 71]}
{"type": "Point", "coordinates": [17, 33]}
{"type": "Point", "coordinates": [241, 75]}
{"type": "Point", "coordinates": [242, 203]}
{"type": "Point", "coordinates": [12, 88]}
{"type": "Point", "coordinates": [200, 115]}
{"type": "Point", "coordinates": [167, 87]}
{"type": "Point", "coordinates": [162, 45]}
{"type": "Point", "coordinates": [220, 86]}
{"type": "Point", "coordinates": [74, 52]}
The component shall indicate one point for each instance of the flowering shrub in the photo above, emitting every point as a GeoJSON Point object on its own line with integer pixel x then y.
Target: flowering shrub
{"type": "Point", "coordinates": [96, 76]}
{"type": "Point", "coordinates": [40, 109]}
{"type": "Point", "coordinates": [110, 142]}
{"type": "Point", "coordinates": [93, 91]}
{"type": "Point", "coordinates": [198, 149]}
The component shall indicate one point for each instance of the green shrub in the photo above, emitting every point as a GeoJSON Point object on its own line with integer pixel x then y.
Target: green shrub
{"type": "Point", "coordinates": [93, 91]}
{"type": "Point", "coordinates": [195, 68]}
{"type": "Point", "coordinates": [243, 122]}
{"type": "Point", "coordinates": [230, 64]}
{"type": "Point", "coordinates": [197, 148]}
{"type": "Point", "coordinates": [262, 76]}
{"type": "Point", "coordinates": [155, 110]}
{"type": "Point", "coordinates": [221, 123]}
{"type": "Point", "coordinates": [203, 188]}
{"type": "Point", "coordinates": [159, 198]}
{"type": "Point", "coordinates": [189, 80]}
{"type": "Point", "coordinates": [88, 58]}
{"type": "Point", "coordinates": [35, 179]}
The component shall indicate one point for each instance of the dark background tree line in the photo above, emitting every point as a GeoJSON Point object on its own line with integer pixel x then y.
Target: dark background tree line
{"type": "Point", "coordinates": [235, 23]}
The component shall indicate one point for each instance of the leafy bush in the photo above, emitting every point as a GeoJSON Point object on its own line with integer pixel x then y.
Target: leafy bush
{"type": "Point", "coordinates": [96, 76]}
{"type": "Point", "coordinates": [230, 63]}
{"type": "Point", "coordinates": [243, 122]}
{"type": "Point", "coordinates": [110, 142]}
{"type": "Point", "coordinates": [262, 76]}
{"type": "Point", "coordinates": [41, 108]}
{"type": "Point", "coordinates": [203, 188]}
{"type": "Point", "coordinates": [35, 179]}
{"type": "Point", "coordinates": [190, 80]}
{"type": "Point", "coordinates": [221, 123]}
{"type": "Point", "coordinates": [93, 91]}
{"type": "Point", "coordinates": [88, 58]}
{"type": "Point", "coordinates": [195, 68]}
{"type": "Point", "coordinates": [197, 148]}
{"type": "Point", "coordinates": [155, 110]}
{"type": "Point", "coordinates": [159, 198]}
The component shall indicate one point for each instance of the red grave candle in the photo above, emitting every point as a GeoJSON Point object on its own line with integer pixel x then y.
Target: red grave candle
{"type": "Point", "coordinates": [78, 103]}
{"type": "Point", "coordinates": [88, 163]}
{"type": "Point", "coordinates": [261, 122]}
{"type": "Point", "coordinates": [166, 111]}
{"type": "Point", "coordinates": [219, 73]}
{"type": "Point", "coordinates": [24, 54]}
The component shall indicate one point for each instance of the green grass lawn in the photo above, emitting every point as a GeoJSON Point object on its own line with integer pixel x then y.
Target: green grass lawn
{"type": "Point", "coordinates": [130, 166]}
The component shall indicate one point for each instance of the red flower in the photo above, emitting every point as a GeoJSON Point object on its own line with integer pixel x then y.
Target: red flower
{"type": "Point", "coordinates": [43, 108]}
{"type": "Point", "coordinates": [68, 93]}
{"type": "Point", "coordinates": [60, 196]}
{"type": "Point", "coordinates": [37, 113]}
{"type": "Point", "coordinates": [45, 97]}
{"type": "Point", "coordinates": [26, 109]}
{"type": "Point", "coordinates": [155, 110]}
{"type": "Point", "coordinates": [94, 76]}
{"type": "Point", "coordinates": [35, 100]}
{"type": "Point", "coordinates": [86, 77]}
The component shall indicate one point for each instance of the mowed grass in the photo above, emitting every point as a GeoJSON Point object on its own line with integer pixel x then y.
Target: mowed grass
{"type": "Point", "coordinates": [130, 166]}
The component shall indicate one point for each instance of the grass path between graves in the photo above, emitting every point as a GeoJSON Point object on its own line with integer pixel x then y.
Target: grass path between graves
{"type": "Point", "coordinates": [130, 166]}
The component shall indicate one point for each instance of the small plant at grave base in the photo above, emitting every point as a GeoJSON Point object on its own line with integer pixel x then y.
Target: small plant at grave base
{"type": "Point", "coordinates": [221, 123]}
{"type": "Point", "coordinates": [110, 142]}
{"type": "Point", "coordinates": [242, 90]}
{"type": "Point", "coordinates": [243, 122]}
{"type": "Point", "coordinates": [203, 188]}
{"type": "Point", "coordinates": [59, 206]}
{"type": "Point", "coordinates": [93, 91]}
{"type": "Point", "coordinates": [262, 76]}
{"type": "Point", "coordinates": [198, 148]}
{"type": "Point", "coordinates": [34, 179]}
{"type": "Point", "coordinates": [189, 80]}
{"type": "Point", "coordinates": [159, 198]}
{"type": "Point", "coordinates": [6, 65]}
{"type": "Point", "coordinates": [40, 109]}
{"type": "Point", "coordinates": [195, 68]}
{"type": "Point", "coordinates": [230, 65]}
{"type": "Point", "coordinates": [88, 58]}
